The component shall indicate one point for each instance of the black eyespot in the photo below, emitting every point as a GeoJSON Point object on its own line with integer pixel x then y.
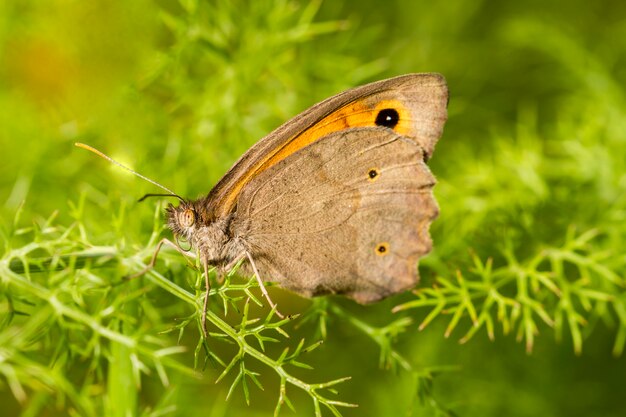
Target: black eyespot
{"type": "Point", "coordinates": [388, 118]}
{"type": "Point", "coordinates": [373, 173]}
{"type": "Point", "coordinates": [382, 249]}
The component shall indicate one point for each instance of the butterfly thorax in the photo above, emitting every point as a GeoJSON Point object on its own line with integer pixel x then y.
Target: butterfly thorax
{"type": "Point", "coordinates": [210, 237]}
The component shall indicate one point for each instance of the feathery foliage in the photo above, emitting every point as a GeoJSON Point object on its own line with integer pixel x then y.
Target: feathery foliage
{"type": "Point", "coordinates": [529, 242]}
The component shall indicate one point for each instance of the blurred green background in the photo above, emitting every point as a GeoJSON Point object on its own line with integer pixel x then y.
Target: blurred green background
{"type": "Point", "coordinates": [534, 149]}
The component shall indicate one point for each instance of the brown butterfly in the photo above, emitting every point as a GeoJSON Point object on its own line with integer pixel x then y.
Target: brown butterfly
{"type": "Point", "coordinates": [338, 200]}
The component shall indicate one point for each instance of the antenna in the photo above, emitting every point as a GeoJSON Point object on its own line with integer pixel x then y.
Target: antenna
{"type": "Point", "coordinates": [108, 158]}
{"type": "Point", "coordinates": [159, 195]}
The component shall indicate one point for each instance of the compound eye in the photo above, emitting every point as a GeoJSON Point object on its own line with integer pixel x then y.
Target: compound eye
{"type": "Point", "coordinates": [187, 218]}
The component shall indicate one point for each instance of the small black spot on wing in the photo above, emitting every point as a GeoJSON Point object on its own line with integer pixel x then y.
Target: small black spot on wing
{"type": "Point", "coordinates": [382, 249]}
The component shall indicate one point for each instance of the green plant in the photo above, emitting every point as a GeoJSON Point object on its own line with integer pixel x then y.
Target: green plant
{"type": "Point", "coordinates": [529, 242]}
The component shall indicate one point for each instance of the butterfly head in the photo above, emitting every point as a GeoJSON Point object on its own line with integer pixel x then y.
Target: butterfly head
{"type": "Point", "coordinates": [183, 219]}
{"type": "Point", "coordinates": [190, 222]}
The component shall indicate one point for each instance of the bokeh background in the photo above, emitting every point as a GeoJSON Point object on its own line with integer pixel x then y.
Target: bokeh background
{"type": "Point", "coordinates": [535, 147]}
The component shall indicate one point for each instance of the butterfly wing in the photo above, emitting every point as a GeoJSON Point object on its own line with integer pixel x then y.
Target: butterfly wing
{"type": "Point", "coordinates": [347, 214]}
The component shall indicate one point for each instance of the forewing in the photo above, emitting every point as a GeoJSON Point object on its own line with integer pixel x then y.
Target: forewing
{"type": "Point", "coordinates": [418, 100]}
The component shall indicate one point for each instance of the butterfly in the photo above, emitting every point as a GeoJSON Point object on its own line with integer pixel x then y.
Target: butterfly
{"type": "Point", "coordinates": [338, 200]}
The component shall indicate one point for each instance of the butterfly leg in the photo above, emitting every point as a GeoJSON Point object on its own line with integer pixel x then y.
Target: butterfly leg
{"type": "Point", "coordinates": [154, 257]}
{"type": "Point", "coordinates": [207, 284]}
{"type": "Point", "coordinates": [230, 266]}
{"type": "Point", "coordinates": [182, 252]}
{"type": "Point", "coordinates": [263, 290]}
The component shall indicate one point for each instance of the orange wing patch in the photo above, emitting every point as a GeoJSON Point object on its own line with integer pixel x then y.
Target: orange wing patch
{"type": "Point", "coordinates": [357, 114]}
{"type": "Point", "coordinates": [360, 113]}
